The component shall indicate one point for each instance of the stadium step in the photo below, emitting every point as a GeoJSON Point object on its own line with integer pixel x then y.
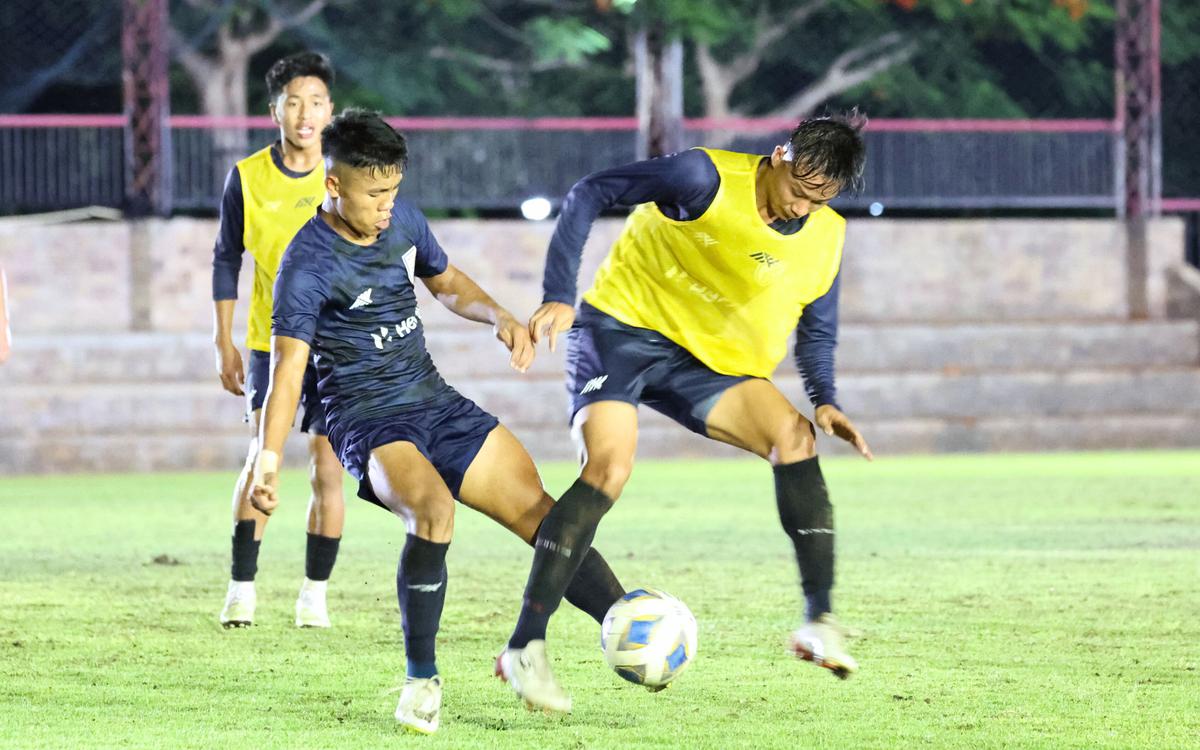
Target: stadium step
{"type": "Point", "coordinates": [224, 450]}
{"type": "Point", "coordinates": [115, 408]}
{"type": "Point", "coordinates": [105, 402]}
{"type": "Point", "coordinates": [472, 352]}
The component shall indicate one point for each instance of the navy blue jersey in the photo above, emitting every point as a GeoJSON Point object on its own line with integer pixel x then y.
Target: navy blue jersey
{"type": "Point", "coordinates": [683, 186]}
{"type": "Point", "coordinates": [356, 307]}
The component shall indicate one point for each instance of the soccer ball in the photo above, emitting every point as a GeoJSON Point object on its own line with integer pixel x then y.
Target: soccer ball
{"type": "Point", "coordinates": [649, 637]}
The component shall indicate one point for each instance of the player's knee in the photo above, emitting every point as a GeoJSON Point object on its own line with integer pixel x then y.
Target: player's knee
{"type": "Point", "coordinates": [608, 475]}
{"type": "Point", "coordinates": [794, 439]}
{"type": "Point", "coordinates": [432, 517]}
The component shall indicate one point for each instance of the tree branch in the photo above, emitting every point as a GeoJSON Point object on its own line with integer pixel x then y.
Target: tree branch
{"type": "Point", "coordinates": [278, 22]}
{"type": "Point", "coordinates": [840, 77]}
{"type": "Point", "coordinates": [497, 64]}
{"type": "Point", "coordinates": [197, 65]}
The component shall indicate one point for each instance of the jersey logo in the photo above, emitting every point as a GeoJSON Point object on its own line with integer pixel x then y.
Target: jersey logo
{"type": "Point", "coordinates": [402, 329]}
{"type": "Point", "coordinates": [362, 300]}
{"type": "Point", "coordinates": [768, 267]}
{"type": "Point", "coordinates": [307, 201]}
{"type": "Point", "coordinates": [272, 205]}
{"type": "Point", "coordinates": [594, 384]}
{"type": "Point", "coordinates": [705, 239]}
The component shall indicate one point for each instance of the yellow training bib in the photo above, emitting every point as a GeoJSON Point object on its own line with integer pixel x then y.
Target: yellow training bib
{"type": "Point", "coordinates": [725, 286]}
{"type": "Point", "coordinates": [275, 207]}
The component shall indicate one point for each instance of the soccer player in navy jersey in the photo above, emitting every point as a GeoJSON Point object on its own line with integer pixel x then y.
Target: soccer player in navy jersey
{"type": "Point", "coordinates": [725, 255]}
{"type": "Point", "coordinates": [345, 291]}
{"type": "Point", "coordinates": [268, 196]}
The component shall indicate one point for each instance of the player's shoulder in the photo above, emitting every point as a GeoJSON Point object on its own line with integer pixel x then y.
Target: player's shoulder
{"type": "Point", "coordinates": [312, 245]}
{"type": "Point", "coordinates": [829, 217]}
{"type": "Point", "coordinates": [408, 218]}
{"type": "Point", "coordinates": [256, 160]}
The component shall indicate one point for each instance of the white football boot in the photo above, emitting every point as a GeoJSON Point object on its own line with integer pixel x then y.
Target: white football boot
{"type": "Point", "coordinates": [240, 601]}
{"type": "Point", "coordinates": [310, 605]}
{"type": "Point", "coordinates": [527, 670]}
{"type": "Point", "coordinates": [822, 642]}
{"type": "Point", "coordinates": [420, 706]}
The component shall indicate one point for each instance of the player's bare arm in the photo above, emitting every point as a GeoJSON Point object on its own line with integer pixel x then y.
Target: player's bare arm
{"type": "Point", "coordinates": [462, 296]}
{"type": "Point", "coordinates": [289, 358]}
{"type": "Point", "coordinates": [833, 422]}
{"type": "Point", "coordinates": [229, 359]}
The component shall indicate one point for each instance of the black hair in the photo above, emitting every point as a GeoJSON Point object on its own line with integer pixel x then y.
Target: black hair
{"type": "Point", "coordinates": [299, 65]}
{"type": "Point", "coordinates": [360, 138]}
{"type": "Point", "coordinates": [830, 148]}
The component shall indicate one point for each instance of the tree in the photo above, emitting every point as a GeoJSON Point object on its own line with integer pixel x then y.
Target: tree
{"type": "Point", "coordinates": [214, 43]}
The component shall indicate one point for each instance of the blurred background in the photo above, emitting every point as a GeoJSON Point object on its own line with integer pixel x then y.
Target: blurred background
{"type": "Point", "coordinates": [1019, 270]}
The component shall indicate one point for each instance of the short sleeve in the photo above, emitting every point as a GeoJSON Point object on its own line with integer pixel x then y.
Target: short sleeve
{"type": "Point", "coordinates": [301, 291]}
{"type": "Point", "coordinates": [431, 258]}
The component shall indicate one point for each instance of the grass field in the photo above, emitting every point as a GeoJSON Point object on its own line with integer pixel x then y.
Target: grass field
{"type": "Point", "coordinates": [1006, 601]}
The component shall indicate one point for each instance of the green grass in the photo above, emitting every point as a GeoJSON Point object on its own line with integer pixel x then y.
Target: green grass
{"type": "Point", "coordinates": [1006, 601]}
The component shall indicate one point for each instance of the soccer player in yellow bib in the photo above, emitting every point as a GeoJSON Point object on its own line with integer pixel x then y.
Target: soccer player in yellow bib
{"type": "Point", "coordinates": [268, 196]}
{"type": "Point", "coordinates": [690, 315]}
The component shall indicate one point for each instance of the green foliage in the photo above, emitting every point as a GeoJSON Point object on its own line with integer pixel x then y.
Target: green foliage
{"type": "Point", "coordinates": [1006, 602]}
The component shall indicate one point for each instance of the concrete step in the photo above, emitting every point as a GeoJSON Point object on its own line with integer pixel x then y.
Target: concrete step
{"type": "Point", "coordinates": [120, 408]}
{"type": "Point", "coordinates": [225, 450]}
{"type": "Point", "coordinates": [467, 352]}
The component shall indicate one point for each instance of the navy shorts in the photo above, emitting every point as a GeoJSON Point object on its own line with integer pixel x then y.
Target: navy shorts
{"type": "Point", "coordinates": [449, 433]}
{"type": "Point", "coordinates": [258, 378]}
{"type": "Point", "coordinates": [608, 360]}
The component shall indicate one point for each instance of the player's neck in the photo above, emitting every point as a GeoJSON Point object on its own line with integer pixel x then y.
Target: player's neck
{"type": "Point", "coordinates": [344, 230]}
{"type": "Point", "coordinates": [760, 192]}
{"type": "Point", "coordinates": [299, 159]}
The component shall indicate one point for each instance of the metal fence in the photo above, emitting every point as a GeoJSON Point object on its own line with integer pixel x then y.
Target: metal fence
{"type": "Point", "coordinates": [56, 162]}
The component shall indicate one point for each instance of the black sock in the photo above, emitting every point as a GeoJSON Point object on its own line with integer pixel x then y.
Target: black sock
{"type": "Point", "coordinates": [421, 589]}
{"type": "Point", "coordinates": [320, 556]}
{"type": "Point", "coordinates": [561, 545]}
{"type": "Point", "coordinates": [807, 517]}
{"type": "Point", "coordinates": [595, 587]}
{"type": "Point", "coordinates": [245, 551]}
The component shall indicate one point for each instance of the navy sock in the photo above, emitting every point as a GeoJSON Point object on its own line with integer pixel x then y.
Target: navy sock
{"type": "Point", "coordinates": [807, 517]}
{"type": "Point", "coordinates": [421, 588]}
{"type": "Point", "coordinates": [320, 556]}
{"type": "Point", "coordinates": [561, 545]}
{"type": "Point", "coordinates": [595, 587]}
{"type": "Point", "coordinates": [245, 551]}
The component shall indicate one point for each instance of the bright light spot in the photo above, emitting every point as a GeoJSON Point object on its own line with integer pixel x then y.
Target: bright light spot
{"type": "Point", "coordinates": [876, 209]}
{"type": "Point", "coordinates": [535, 209]}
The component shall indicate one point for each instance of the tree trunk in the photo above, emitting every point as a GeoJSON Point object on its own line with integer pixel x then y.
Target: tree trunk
{"type": "Point", "coordinates": [659, 63]}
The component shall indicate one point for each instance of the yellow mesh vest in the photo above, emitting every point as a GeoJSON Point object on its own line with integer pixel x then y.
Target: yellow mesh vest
{"type": "Point", "coordinates": [275, 207]}
{"type": "Point", "coordinates": [725, 286]}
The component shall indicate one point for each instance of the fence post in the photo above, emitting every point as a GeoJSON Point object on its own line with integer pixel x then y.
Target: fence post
{"type": "Point", "coordinates": [1139, 113]}
{"type": "Point", "coordinates": [144, 49]}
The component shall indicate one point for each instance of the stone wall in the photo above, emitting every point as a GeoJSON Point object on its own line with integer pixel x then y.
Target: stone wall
{"type": "Point", "coordinates": [79, 277]}
{"type": "Point", "coordinates": [957, 335]}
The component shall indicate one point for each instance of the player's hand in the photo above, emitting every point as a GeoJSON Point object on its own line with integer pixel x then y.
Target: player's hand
{"type": "Point", "coordinates": [833, 422]}
{"type": "Point", "coordinates": [516, 338]}
{"type": "Point", "coordinates": [229, 367]}
{"type": "Point", "coordinates": [264, 482]}
{"type": "Point", "coordinates": [549, 320]}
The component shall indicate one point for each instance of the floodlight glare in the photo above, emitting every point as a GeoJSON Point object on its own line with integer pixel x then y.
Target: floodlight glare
{"type": "Point", "coordinates": [535, 209]}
